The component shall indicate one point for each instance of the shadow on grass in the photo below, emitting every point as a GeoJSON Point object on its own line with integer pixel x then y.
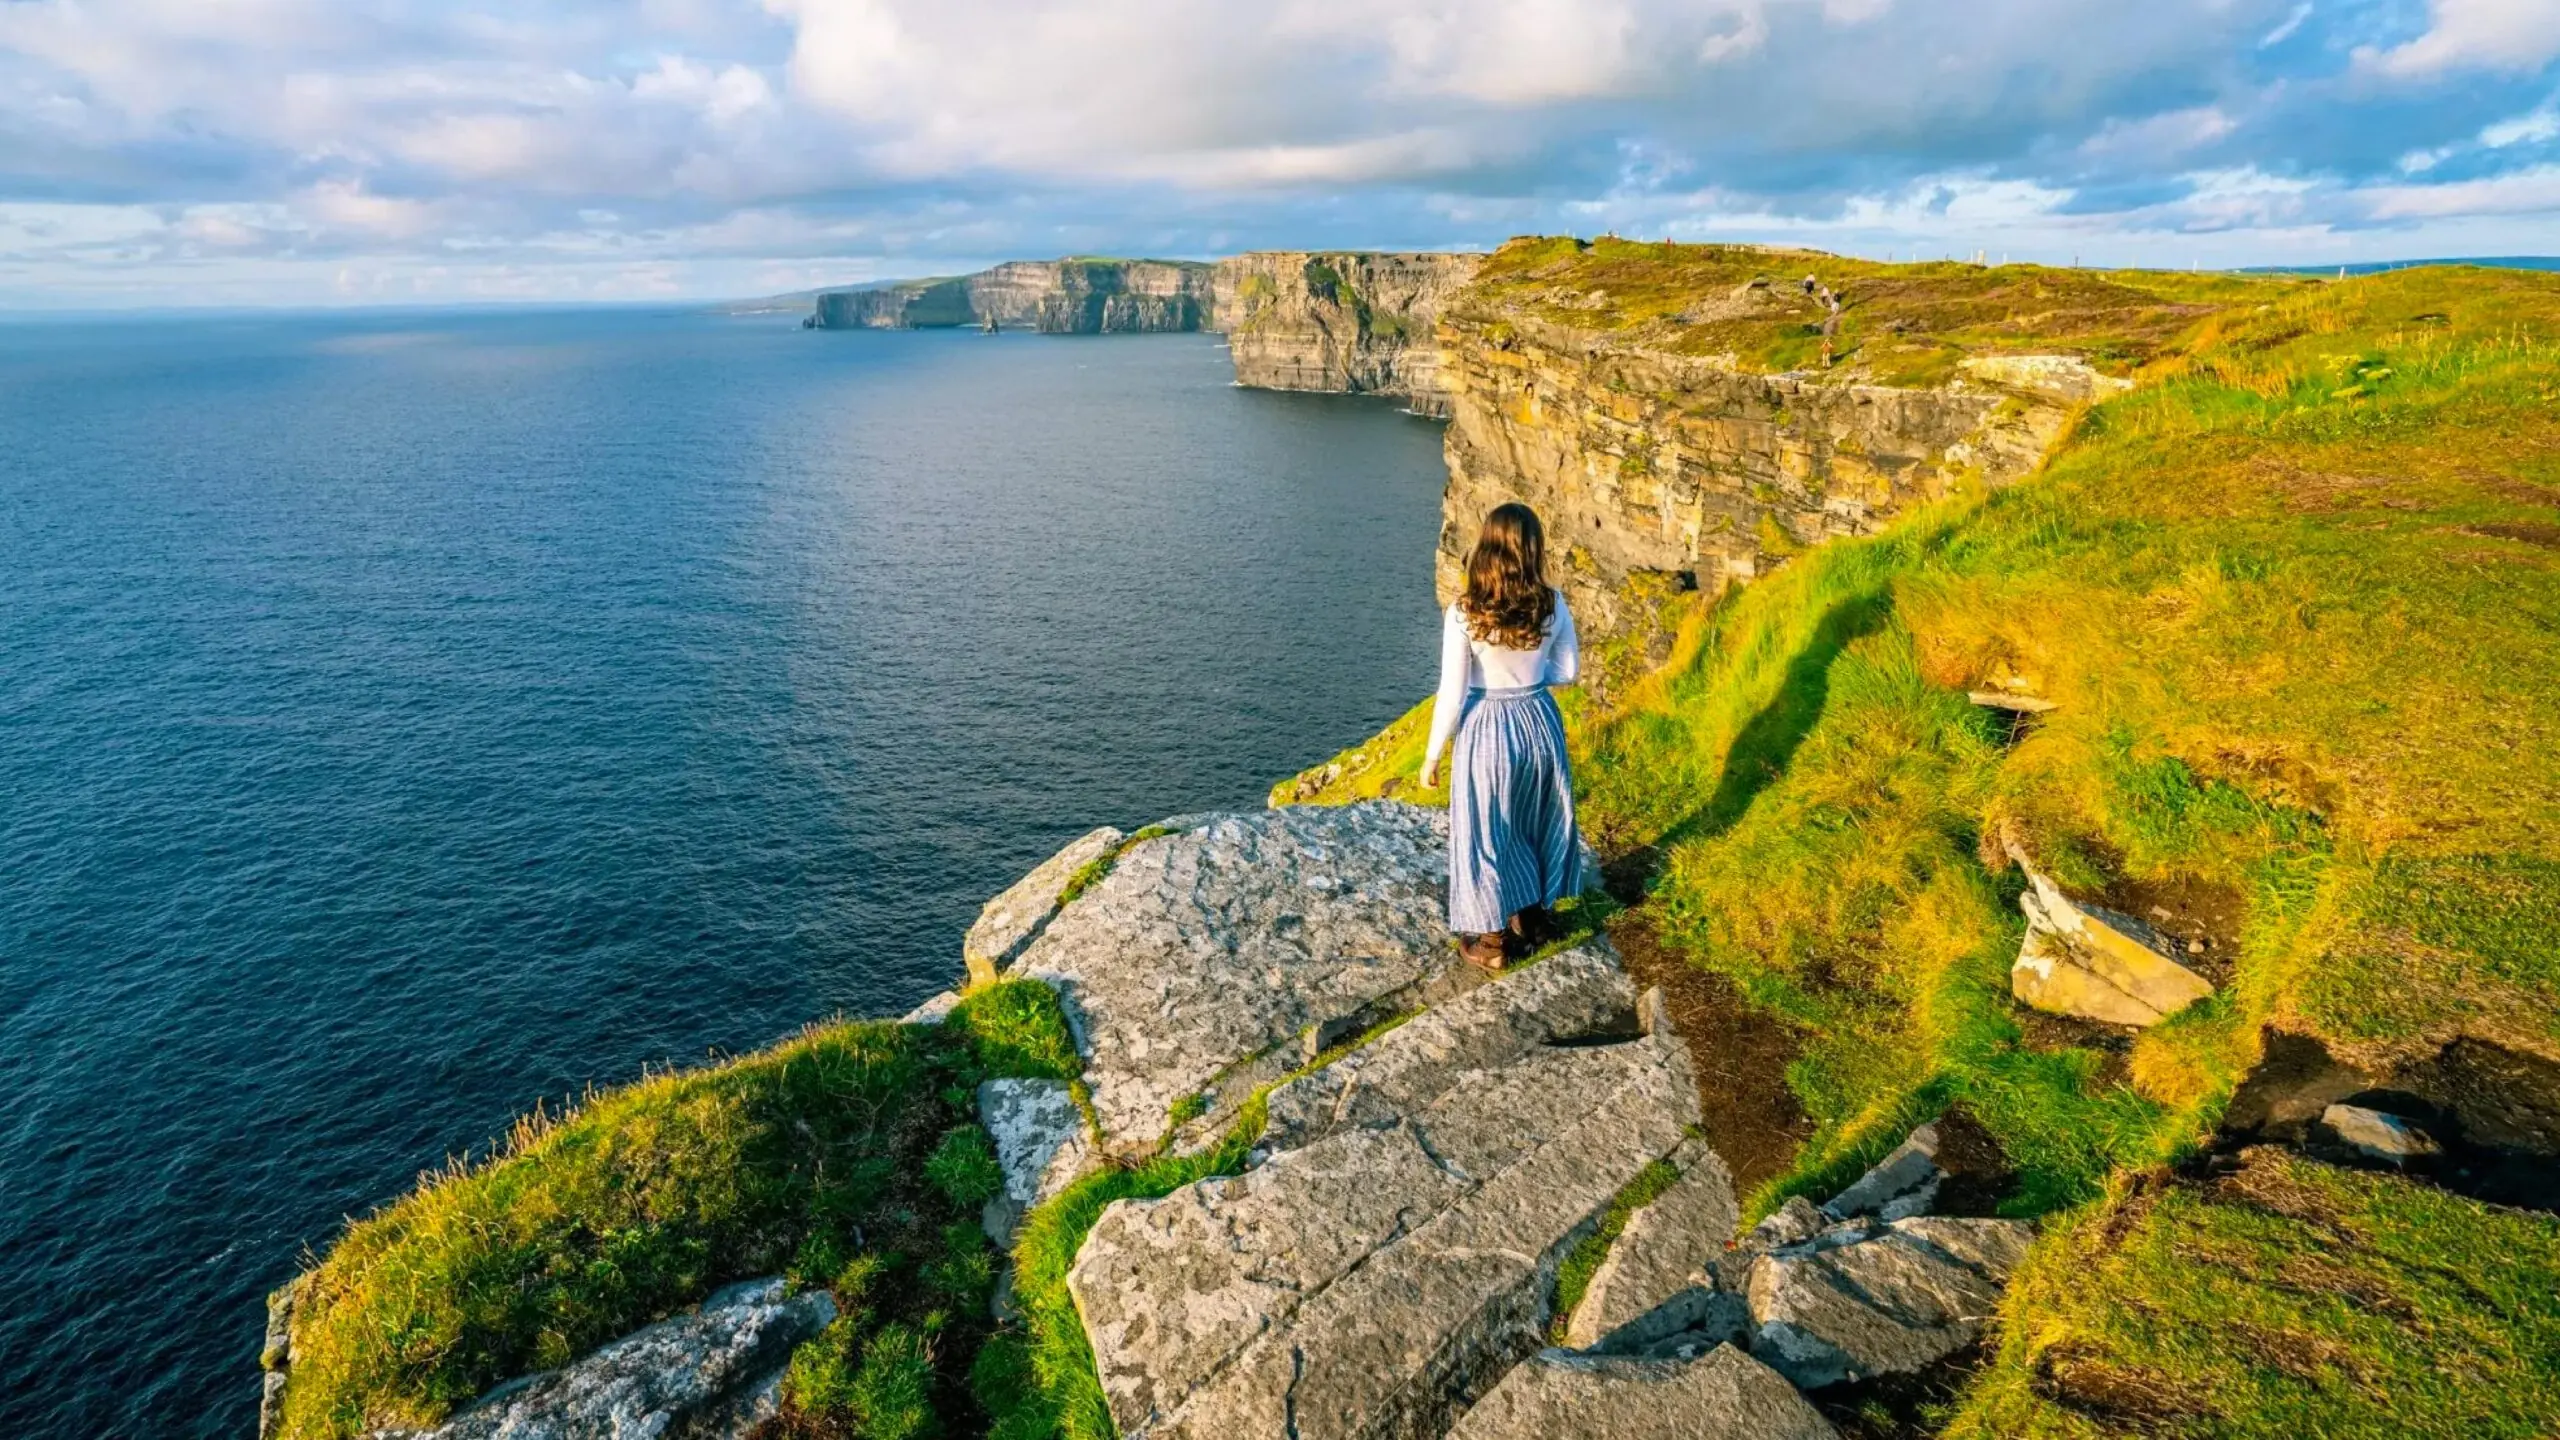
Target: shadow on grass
{"type": "Point", "coordinates": [1768, 741]}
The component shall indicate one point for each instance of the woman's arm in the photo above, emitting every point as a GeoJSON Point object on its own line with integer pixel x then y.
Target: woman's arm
{"type": "Point", "coordinates": [1564, 648]}
{"type": "Point", "coordinates": [1455, 658]}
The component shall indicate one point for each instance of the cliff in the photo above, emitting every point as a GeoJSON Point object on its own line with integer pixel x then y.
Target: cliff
{"type": "Point", "coordinates": [1690, 416]}
{"type": "Point", "coordinates": [1054, 297]}
{"type": "Point", "coordinates": [1345, 322]}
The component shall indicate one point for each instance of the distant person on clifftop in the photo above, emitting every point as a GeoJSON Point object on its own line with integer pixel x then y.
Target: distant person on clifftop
{"type": "Point", "coordinates": [1512, 847]}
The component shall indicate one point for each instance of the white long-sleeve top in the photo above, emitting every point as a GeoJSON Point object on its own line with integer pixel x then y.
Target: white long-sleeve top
{"type": "Point", "coordinates": [1467, 663]}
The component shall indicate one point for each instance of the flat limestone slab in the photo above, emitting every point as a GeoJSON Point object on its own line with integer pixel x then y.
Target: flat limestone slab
{"type": "Point", "coordinates": [1580, 993]}
{"type": "Point", "coordinates": [1449, 1297]}
{"type": "Point", "coordinates": [1655, 1282]}
{"type": "Point", "coordinates": [1721, 1395]}
{"type": "Point", "coordinates": [1212, 946]}
{"type": "Point", "coordinates": [1864, 1301]}
{"type": "Point", "coordinates": [1010, 922]}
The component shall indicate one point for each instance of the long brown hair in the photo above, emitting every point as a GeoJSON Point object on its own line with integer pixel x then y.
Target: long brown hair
{"type": "Point", "coordinates": [1507, 601]}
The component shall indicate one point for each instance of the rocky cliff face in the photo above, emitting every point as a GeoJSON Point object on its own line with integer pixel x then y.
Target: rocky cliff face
{"type": "Point", "coordinates": [1055, 297]}
{"type": "Point", "coordinates": [1343, 322]}
{"type": "Point", "coordinates": [1661, 471]}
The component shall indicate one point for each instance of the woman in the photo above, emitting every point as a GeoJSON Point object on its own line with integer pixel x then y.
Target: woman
{"type": "Point", "coordinates": [1512, 847]}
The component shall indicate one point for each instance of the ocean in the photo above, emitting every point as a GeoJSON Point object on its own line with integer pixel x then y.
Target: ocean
{"type": "Point", "coordinates": [409, 718]}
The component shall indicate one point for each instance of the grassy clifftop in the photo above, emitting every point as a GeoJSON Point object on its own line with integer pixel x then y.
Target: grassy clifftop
{"type": "Point", "coordinates": [1900, 324]}
{"type": "Point", "coordinates": [2296, 604]}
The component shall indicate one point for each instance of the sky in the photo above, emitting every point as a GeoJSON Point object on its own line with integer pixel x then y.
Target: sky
{"type": "Point", "coordinates": [318, 152]}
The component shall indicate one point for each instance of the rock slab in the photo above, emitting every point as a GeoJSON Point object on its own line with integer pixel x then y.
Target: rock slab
{"type": "Point", "coordinates": [1231, 938]}
{"type": "Point", "coordinates": [1655, 1282]}
{"type": "Point", "coordinates": [1040, 1143]}
{"type": "Point", "coordinates": [1902, 1184]}
{"type": "Point", "coordinates": [711, 1374]}
{"type": "Point", "coordinates": [2086, 960]}
{"type": "Point", "coordinates": [1859, 1301]}
{"type": "Point", "coordinates": [1013, 919]}
{"type": "Point", "coordinates": [1721, 1395]}
{"type": "Point", "coordinates": [1368, 1281]}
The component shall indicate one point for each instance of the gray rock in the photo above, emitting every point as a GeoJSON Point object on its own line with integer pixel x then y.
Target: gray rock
{"type": "Point", "coordinates": [711, 1374]}
{"type": "Point", "coordinates": [1861, 1301]}
{"type": "Point", "coordinates": [1902, 1184]}
{"type": "Point", "coordinates": [1655, 1282]}
{"type": "Point", "coordinates": [1359, 1284]}
{"type": "Point", "coordinates": [1040, 1140]}
{"type": "Point", "coordinates": [275, 1357]}
{"type": "Point", "coordinates": [1206, 950]}
{"type": "Point", "coordinates": [2379, 1135]}
{"type": "Point", "coordinates": [1579, 993]}
{"type": "Point", "coordinates": [1015, 918]}
{"type": "Point", "coordinates": [1722, 1394]}
{"type": "Point", "coordinates": [933, 1011]}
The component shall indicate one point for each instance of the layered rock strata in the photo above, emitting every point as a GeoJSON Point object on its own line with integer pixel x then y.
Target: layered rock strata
{"type": "Point", "coordinates": [1371, 1280]}
{"type": "Point", "coordinates": [1862, 1300]}
{"type": "Point", "coordinates": [1688, 472]}
{"type": "Point", "coordinates": [1343, 322]}
{"type": "Point", "coordinates": [1057, 297]}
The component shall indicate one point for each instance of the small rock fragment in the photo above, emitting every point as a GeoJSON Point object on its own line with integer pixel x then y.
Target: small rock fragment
{"type": "Point", "coordinates": [1862, 1302]}
{"type": "Point", "coordinates": [1902, 1184]}
{"type": "Point", "coordinates": [2379, 1135]}
{"type": "Point", "coordinates": [1040, 1142]}
{"type": "Point", "coordinates": [2089, 961]}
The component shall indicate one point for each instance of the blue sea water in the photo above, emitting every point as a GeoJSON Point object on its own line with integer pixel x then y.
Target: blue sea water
{"type": "Point", "coordinates": [406, 718]}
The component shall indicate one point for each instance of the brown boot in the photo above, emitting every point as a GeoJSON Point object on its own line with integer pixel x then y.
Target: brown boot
{"type": "Point", "coordinates": [1485, 952]}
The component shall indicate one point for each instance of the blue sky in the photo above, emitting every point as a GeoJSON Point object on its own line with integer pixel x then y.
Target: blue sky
{"type": "Point", "coordinates": [304, 152]}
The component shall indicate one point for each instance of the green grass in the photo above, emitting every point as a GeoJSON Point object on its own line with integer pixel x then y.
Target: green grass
{"type": "Point", "coordinates": [1573, 1277]}
{"type": "Point", "coordinates": [1093, 871]}
{"type": "Point", "coordinates": [838, 1158]}
{"type": "Point", "coordinates": [2287, 1300]}
{"type": "Point", "coordinates": [1039, 1379]}
{"type": "Point", "coordinates": [2297, 600]}
{"type": "Point", "coordinates": [1901, 324]}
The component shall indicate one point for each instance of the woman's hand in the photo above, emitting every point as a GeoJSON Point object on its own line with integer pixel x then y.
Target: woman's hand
{"type": "Point", "coordinates": [1431, 774]}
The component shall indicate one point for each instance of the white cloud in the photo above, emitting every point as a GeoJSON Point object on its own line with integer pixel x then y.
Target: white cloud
{"type": "Point", "coordinates": [2286, 27]}
{"type": "Point", "coordinates": [2542, 124]}
{"type": "Point", "coordinates": [2518, 36]}
{"type": "Point", "coordinates": [2524, 192]}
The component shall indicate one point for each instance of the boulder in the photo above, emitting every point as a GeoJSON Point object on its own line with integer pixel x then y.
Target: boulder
{"type": "Point", "coordinates": [1580, 993]}
{"type": "Point", "coordinates": [1655, 1282]}
{"type": "Point", "coordinates": [2089, 961]}
{"type": "Point", "coordinates": [1860, 1301]}
{"type": "Point", "coordinates": [1226, 942]}
{"type": "Point", "coordinates": [1720, 1395]}
{"type": "Point", "coordinates": [1040, 1141]}
{"type": "Point", "coordinates": [1362, 1283]}
{"type": "Point", "coordinates": [710, 1374]}
{"type": "Point", "coordinates": [2379, 1135]}
{"type": "Point", "coordinates": [1902, 1184]}
{"type": "Point", "coordinates": [1013, 919]}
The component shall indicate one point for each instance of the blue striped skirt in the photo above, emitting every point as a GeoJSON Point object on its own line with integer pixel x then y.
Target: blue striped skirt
{"type": "Point", "coordinates": [1511, 838]}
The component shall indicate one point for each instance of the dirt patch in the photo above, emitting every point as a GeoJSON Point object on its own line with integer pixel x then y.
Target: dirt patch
{"type": "Point", "coordinates": [2118, 1397]}
{"type": "Point", "coordinates": [1901, 1407]}
{"type": "Point", "coordinates": [2531, 532]}
{"type": "Point", "coordinates": [1740, 1055]}
{"type": "Point", "coordinates": [1978, 1171]}
{"type": "Point", "coordinates": [2202, 920]}
{"type": "Point", "coordinates": [2047, 1033]}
